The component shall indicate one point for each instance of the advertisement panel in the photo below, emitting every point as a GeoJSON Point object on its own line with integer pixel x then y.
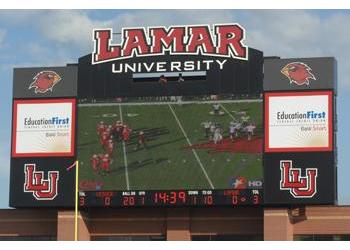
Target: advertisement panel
{"type": "Point", "coordinates": [43, 127]}
{"type": "Point", "coordinates": [42, 182]}
{"type": "Point", "coordinates": [300, 178]}
{"type": "Point", "coordinates": [298, 121]}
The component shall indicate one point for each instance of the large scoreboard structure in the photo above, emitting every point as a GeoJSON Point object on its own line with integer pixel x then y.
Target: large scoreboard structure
{"type": "Point", "coordinates": [175, 116]}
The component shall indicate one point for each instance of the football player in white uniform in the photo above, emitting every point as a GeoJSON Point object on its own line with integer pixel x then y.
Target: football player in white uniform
{"type": "Point", "coordinates": [250, 131]}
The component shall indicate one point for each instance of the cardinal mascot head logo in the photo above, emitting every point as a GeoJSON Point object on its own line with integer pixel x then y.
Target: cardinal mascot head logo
{"type": "Point", "coordinates": [298, 73]}
{"type": "Point", "coordinates": [44, 81]}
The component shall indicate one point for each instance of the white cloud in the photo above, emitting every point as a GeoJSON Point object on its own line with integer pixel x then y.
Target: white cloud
{"type": "Point", "coordinates": [286, 33]}
{"type": "Point", "coordinates": [75, 27]}
{"type": "Point", "coordinates": [70, 28]}
{"type": "Point", "coordinates": [170, 17]}
{"type": "Point", "coordinates": [298, 33]}
{"type": "Point", "coordinates": [67, 28]}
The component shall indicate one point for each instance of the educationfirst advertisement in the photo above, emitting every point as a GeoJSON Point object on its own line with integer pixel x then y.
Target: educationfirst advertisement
{"type": "Point", "coordinates": [298, 121]}
{"type": "Point", "coordinates": [43, 127]}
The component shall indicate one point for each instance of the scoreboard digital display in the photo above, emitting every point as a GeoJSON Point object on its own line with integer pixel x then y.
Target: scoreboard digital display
{"type": "Point", "coordinates": [193, 198]}
{"type": "Point", "coordinates": [179, 116]}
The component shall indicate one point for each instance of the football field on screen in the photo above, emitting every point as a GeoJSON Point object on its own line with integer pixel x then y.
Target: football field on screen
{"type": "Point", "coordinates": [178, 155]}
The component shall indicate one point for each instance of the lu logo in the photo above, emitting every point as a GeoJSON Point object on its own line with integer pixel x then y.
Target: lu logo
{"type": "Point", "coordinates": [42, 189]}
{"type": "Point", "coordinates": [298, 186]}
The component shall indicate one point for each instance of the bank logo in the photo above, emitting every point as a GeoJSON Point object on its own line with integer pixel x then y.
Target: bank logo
{"type": "Point", "coordinates": [44, 81]}
{"type": "Point", "coordinates": [35, 183]}
{"type": "Point", "coordinates": [298, 186]}
{"type": "Point", "coordinates": [298, 73]}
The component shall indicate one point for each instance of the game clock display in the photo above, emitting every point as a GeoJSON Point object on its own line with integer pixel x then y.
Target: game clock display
{"type": "Point", "coordinates": [234, 197]}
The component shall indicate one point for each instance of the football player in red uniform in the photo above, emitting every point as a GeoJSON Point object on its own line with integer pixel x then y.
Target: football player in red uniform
{"type": "Point", "coordinates": [141, 141]}
{"type": "Point", "coordinates": [126, 133]}
{"type": "Point", "coordinates": [95, 162]}
{"type": "Point", "coordinates": [105, 163]}
{"type": "Point", "coordinates": [104, 138]}
{"type": "Point", "coordinates": [109, 131]}
{"type": "Point", "coordinates": [101, 128]}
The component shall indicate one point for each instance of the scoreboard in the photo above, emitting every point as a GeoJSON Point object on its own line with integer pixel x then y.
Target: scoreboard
{"type": "Point", "coordinates": [167, 124]}
{"type": "Point", "coordinates": [193, 198]}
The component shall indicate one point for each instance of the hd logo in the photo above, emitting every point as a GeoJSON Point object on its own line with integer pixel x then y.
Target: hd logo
{"type": "Point", "coordinates": [41, 188]}
{"type": "Point", "coordinates": [298, 186]}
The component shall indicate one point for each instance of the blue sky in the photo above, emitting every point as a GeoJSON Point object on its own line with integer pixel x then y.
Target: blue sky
{"type": "Point", "coordinates": [41, 38]}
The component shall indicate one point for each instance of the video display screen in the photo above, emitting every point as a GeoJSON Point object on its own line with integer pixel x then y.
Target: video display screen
{"type": "Point", "coordinates": [195, 144]}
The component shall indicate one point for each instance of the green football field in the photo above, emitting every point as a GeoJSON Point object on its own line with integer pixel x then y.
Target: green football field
{"type": "Point", "coordinates": [178, 155]}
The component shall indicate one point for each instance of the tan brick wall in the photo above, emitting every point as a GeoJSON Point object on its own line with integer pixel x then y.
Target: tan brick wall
{"type": "Point", "coordinates": [178, 223]}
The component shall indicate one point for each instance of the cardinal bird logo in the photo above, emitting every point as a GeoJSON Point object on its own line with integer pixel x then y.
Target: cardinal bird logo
{"type": "Point", "coordinates": [298, 73]}
{"type": "Point", "coordinates": [44, 81]}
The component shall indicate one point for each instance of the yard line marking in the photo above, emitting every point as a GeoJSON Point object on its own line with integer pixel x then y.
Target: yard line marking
{"type": "Point", "coordinates": [193, 151]}
{"type": "Point", "coordinates": [165, 103]}
{"type": "Point", "coordinates": [222, 106]}
{"type": "Point", "coordinates": [124, 150]}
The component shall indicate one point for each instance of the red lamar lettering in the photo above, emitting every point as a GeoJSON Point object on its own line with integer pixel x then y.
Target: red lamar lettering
{"type": "Point", "coordinates": [224, 41]}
